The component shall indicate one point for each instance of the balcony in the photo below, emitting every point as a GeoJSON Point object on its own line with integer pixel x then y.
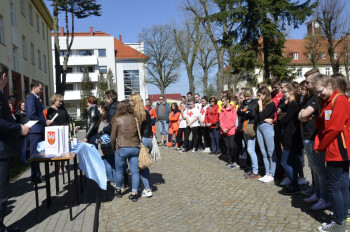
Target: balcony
{"type": "Point", "coordinates": [70, 95]}
{"type": "Point", "coordinates": [76, 77]}
{"type": "Point", "coordinates": [81, 60]}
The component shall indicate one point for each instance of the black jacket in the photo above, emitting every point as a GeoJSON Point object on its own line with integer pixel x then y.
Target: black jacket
{"type": "Point", "coordinates": [250, 108]}
{"type": "Point", "coordinates": [93, 117]}
{"type": "Point", "coordinates": [112, 110]}
{"type": "Point", "coordinates": [146, 126]}
{"type": "Point", "coordinates": [21, 117]}
{"type": "Point", "coordinates": [9, 130]}
{"type": "Point", "coordinates": [63, 117]}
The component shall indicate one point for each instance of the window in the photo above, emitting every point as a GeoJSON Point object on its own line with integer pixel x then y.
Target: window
{"type": "Point", "coordinates": [86, 52]}
{"type": "Point", "coordinates": [295, 55]}
{"type": "Point", "coordinates": [30, 14]}
{"type": "Point", "coordinates": [69, 87]}
{"type": "Point", "coordinates": [63, 52]}
{"type": "Point", "coordinates": [323, 56]}
{"type": "Point", "coordinates": [15, 58]}
{"type": "Point", "coordinates": [131, 82]}
{"type": "Point", "coordinates": [69, 69]}
{"type": "Point", "coordinates": [89, 68]}
{"type": "Point", "coordinates": [2, 36]}
{"type": "Point", "coordinates": [37, 23]}
{"type": "Point", "coordinates": [39, 59]}
{"type": "Point", "coordinates": [32, 53]}
{"type": "Point", "coordinates": [103, 69]}
{"type": "Point", "coordinates": [101, 52]}
{"type": "Point", "coordinates": [341, 70]}
{"type": "Point", "coordinates": [24, 47]}
{"type": "Point", "coordinates": [336, 55]}
{"type": "Point", "coordinates": [13, 15]}
{"type": "Point", "coordinates": [328, 71]}
{"type": "Point", "coordinates": [22, 6]}
{"type": "Point", "coordinates": [300, 73]}
{"type": "Point", "coordinates": [45, 67]}
{"type": "Point", "coordinates": [43, 30]}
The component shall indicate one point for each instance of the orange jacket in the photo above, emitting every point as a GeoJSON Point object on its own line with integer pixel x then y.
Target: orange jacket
{"type": "Point", "coordinates": [174, 121]}
{"type": "Point", "coordinates": [333, 134]}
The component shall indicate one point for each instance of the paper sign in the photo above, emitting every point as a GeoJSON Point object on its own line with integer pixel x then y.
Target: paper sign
{"type": "Point", "coordinates": [31, 123]}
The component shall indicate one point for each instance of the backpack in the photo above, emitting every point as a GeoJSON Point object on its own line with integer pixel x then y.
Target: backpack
{"type": "Point", "coordinates": [332, 106]}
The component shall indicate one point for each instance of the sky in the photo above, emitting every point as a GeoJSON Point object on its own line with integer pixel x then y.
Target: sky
{"type": "Point", "coordinates": [129, 17]}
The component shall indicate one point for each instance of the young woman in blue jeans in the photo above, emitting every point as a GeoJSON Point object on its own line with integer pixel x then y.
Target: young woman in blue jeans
{"type": "Point", "coordinates": [265, 133]}
{"type": "Point", "coordinates": [144, 117]}
{"type": "Point", "coordinates": [125, 141]}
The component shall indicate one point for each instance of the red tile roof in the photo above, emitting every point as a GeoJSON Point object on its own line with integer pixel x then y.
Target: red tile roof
{"type": "Point", "coordinates": [170, 96]}
{"type": "Point", "coordinates": [123, 51]}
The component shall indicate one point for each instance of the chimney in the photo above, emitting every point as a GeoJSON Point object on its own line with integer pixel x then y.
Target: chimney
{"type": "Point", "coordinates": [91, 31]}
{"type": "Point", "coordinates": [62, 31]}
{"type": "Point", "coordinates": [120, 38]}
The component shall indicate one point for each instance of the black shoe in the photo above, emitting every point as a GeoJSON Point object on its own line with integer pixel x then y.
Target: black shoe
{"type": "Point", "coordinates": [133, 197]}
{"type": "Point", "coordinates": [218, 153]}
{"type": "Point", "coordinates": [289, 191]}
{"type": "Point", "coordinates": [118, 193]}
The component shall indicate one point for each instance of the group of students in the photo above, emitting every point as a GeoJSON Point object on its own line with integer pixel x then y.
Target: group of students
{"type": "Point", "coordinates": [282, 122]}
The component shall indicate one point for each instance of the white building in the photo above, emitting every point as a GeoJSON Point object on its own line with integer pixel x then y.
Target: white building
{"type": "Point", "coordinates": [99, 52]}
{"type": "Point", "coordinates": [25, 46]}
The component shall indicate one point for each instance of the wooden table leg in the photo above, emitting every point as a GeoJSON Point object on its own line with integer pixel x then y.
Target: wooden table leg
{"type": "Point", "coordinates": [36, 192]}
{"type": "Point", "coordinates": [48, 187]}
{"type": "Point", "coordinates": [56, 177]}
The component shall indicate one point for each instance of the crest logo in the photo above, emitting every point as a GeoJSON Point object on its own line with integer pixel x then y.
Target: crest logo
{"type": "Point", "coordinates": [51, 137]}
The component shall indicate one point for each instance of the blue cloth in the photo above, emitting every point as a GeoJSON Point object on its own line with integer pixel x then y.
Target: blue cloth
{"type": "Point", "coordinates": [90, 162]}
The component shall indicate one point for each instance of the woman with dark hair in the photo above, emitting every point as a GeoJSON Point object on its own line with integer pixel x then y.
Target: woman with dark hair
{"type": "Point", "coordinates": [212, 122]}
{"type": "Point", "coordinates": [125, 141]}
{"type": "Point", "coordinates": [291, 137]}
{"type": "Point", "coordinates": [265, 133]}
{"type": "Point", "coordinates": [93, 117]}
{"type": "Point", "coordinates": [23, 140]}
{"type": "Point", "coordinates": [174, 116]}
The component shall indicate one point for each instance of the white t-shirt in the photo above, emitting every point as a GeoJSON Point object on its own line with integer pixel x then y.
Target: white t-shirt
{"type": "Point", "coordinates": [202, 114]}
{"type": "Point", "coordinates": [198, 106]}
{"type": "Point", "coordinates": [183, 122]}
{"type": "Point", "coordinates": [191, 114]}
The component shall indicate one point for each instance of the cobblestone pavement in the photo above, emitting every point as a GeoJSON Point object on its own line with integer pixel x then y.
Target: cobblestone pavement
{"type": "Point", "coordinates": [196, 192]}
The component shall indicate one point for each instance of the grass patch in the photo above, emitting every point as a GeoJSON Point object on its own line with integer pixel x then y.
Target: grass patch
{"type": "Point", "coordinates": [17, 168]}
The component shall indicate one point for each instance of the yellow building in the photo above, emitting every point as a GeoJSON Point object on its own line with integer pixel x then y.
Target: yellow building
{"type": "Point", "coordinates": [25, 46]}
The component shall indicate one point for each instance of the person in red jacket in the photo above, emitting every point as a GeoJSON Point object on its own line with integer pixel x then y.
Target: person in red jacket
{"type": "Point", "coordinates": [334, 140]}
{"type": "Point", "coordinates": [228, 117]}
{"type": "Point", "coordinates": [212, 122]}
{"type": "Point", "coordinates": [173, 123]}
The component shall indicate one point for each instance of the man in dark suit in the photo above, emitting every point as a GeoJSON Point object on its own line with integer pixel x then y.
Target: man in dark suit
{"type": "Point", "coordinates": [9, 133]}
{"type": "Point", "coordinates": [34, 111]}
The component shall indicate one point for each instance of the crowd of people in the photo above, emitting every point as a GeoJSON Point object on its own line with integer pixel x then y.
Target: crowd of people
{"type": "Point", "coordinates": [267, 130]}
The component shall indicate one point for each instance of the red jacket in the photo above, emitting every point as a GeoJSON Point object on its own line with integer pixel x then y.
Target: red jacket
{"type": "Point", "coordinates": [333, 135]}
{"type": "Point", "coordinates": [212, 116]}
{"type": "Point", "coordinates": [228, 119]}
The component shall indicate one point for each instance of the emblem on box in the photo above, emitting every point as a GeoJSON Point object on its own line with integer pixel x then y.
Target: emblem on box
{"type": "Point", "coordinates": [51, 137]}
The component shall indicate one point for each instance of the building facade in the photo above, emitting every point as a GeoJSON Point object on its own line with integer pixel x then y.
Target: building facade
{"type": "Point", "coordinates": [99, 52]}
{"type": "Point", "coordinates": [25, 46]}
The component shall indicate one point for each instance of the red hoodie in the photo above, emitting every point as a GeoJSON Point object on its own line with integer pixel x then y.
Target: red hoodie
{"type": "Point", "coordinates": [212, 116]}
{"type": "Point", "coordinates": [228, 119]}
{"type": "Point", "coordinates": [333, 135]}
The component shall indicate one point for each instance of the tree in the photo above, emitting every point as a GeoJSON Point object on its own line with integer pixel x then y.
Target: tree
{"type": "Point", "coordinates": [102, 87]}
{"type": "Point", "coordinates": [187, 42]}
{"type": "Point", "coordinates": [314, 45]}
{"type": "Point", "coordinates": [164, 59]}
{"type": "Point", "coordinates": [261, 27]}
{"type": "Point", "coordinates": [214, 17]}
{"type": "Point", "coordinates": [211, 91]}
{"type": "Point", "coordinates": [344, 55]}
{"type": "Point", "coordinates": [71, 9]}
{"type": "Point", "coordinates": [85, 92]}
{"type": "Point", "coordinates": [110, 80]}
{"type": "Point", "coordinates": [334, 21]}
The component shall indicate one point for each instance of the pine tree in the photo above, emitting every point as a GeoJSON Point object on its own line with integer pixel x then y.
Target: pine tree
{"type": "Point", "coordinates": [110, 80]}
{"type": "Point", "coordinates": [102, 87]}
{"type": "Point", "coordinates": [85, 92]}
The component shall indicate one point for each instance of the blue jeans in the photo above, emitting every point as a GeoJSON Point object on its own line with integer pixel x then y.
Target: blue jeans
{"type": "Point", "coordinates": [265, 135]}
{"type": "Point", "coordinates": [109, 161]}
{"type": "Point", "coordinates": [121, 156]}
{"type": "Point", "coordinates": [23, 142]}
{"type": "Point", "coordinates": [145, 174]}
{"type": "Point", "coordinates": [251, 151]}
{"type": "Point", "coordinates": [214, 134]}
{"type": "Point", "coordinates": [320, 176]}
{"type": "Point", "coordinates": [163, 127]}
{"type": "Point", "coordinates": [289, 164]}
{"type": "Point", "coordinates": [338, 185]}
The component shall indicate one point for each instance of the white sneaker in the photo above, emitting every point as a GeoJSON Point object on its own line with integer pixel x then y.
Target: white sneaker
{"type": "Point", "coordinates": [269, 179]}
{"type": "Point", "coordinates": [146, 193]}
{"type": "Point", "coordinates": [311, 199]}
{"type": "Point", "coordinates": [263, 178]}
{"type": "Point", "coordinates": [302, 181]}
{"type": "Point", "coordinates": [194, 150]}
{"type": "Point", "coordinates": [236, 165]}
{"type": "Point", "coordinates": [320, 205]}
{"type": "Point", "coordinates": [207, 150]}
{"type": "Point", "coordinates": [286, 181]}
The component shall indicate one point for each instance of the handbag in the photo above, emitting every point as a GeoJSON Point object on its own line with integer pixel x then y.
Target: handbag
{"type": "Point", "coordinates": [250, 130]}
{"type": "Point", "coordinates": [144, 157]}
